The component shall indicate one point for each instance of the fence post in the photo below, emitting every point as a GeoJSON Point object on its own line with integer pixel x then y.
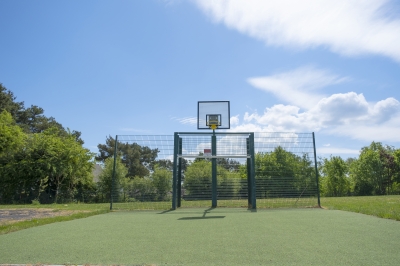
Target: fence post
{"type": "Point", "coordinates": [174, 177]}
{"type": "Point", "coordinates": [252, 172]}
{"type": "Point", "coordinates": [214, 170]}
{"type": "Point", "coordinates": [179, 183]}
{"type": "Point", "coordinates": [113, 173]}
{"type": "Point", "coordinates": [316, 170]}
{"type": "Point", "coordinates": [248, 166]}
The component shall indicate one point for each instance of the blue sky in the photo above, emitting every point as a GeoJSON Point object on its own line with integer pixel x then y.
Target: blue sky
{"type": "Point", "coordinates": [140, 67]}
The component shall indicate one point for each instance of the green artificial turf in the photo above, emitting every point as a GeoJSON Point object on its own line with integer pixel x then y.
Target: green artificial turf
{"type": "Point", "coordinates": [222, 236]}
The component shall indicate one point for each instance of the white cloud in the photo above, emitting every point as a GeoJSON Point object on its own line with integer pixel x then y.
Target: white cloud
{"type": "Point", "coordinates": [341, 108]}
{"type": "Point", "coordinates": [387, 131]}
{"type": "Point", "coordinates": [346, 114]}
{"type": "Point", "coordinates": [332, 150]}
{"type": "Point", "coordinates": [297, 86]}
{"type": "Point", "coordinates": [186, 120]}
{"type": "Point", "coordinates": [234, 120]}
{"type": "Point", "coordinates": [347, 27]}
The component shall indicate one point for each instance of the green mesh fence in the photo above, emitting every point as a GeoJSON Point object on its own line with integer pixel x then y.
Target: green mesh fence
{"type": "Point", "coordinates": [285, 174]}
{"type": "Point", "coordinates": [285, 170]}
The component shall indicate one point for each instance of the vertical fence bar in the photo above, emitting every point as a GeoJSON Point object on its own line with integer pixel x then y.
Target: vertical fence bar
{"type": "Point", "coordinates": [179, 183]}
{"type": "Point", "coordinates": [113, 173]}
{"type": "Point", "coordinates": [252, 173]}
{"type": "Point", "coordinates": [214, 170]}
{"type": "Point", "coordinates": [316, 170]}
{"type": "Point", "coordinates": [174, 177]}
{"type": "Point", "coordinates": [248, 164]}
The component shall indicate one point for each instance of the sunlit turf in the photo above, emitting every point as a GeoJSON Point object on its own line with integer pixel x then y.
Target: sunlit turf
{"type": "Point", "coordinates": [380, 206]}
{"type": "Point", "coordinates": [206, 236]}
{"type": "Point", "coordinates": [239, 203]}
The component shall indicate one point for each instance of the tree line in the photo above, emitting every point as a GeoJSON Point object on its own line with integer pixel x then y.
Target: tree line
{"type": "Point", "coordinates": [376, 171]}
{"type": "Point", "coordinates": [279, 173]}
{"type": "Point", "coordinates": [41, 161]}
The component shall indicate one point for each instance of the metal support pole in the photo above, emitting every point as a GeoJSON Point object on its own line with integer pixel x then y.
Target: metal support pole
{"type": "Point", "coordinates": [113, 173]}
{"type": "Point", "coordinates": [252, 172]}
{"type": "Point", "coordinates": [179, 183]}
{"type": "Point", "coordinates": [214, 170]}
{"type": "Point", "coordinates": [248, 164]}
{"type": "Point", "coordinates": [174, 177]}
{"type": "Point", "coordinates": [316, 170]}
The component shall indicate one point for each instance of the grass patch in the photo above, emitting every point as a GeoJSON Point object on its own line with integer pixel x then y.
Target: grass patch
{"type": "Point", "coordinates": [84, 210]}
{"type": "Point", "coordinates": [66, 206]}
{"type": "Point", "coordinates": [381, 206]}
{"type": "Point", "coordinates": [237, 203]}
{"type": "Point", "coordinates": [8, 228]}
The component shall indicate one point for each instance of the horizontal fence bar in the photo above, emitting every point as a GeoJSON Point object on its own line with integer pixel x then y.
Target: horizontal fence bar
{"type": "Point", "coordinates": [211, 133]}
{"type": "Point", "coordinates": [214, 156]}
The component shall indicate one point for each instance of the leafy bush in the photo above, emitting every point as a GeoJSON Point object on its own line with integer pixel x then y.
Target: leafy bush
{"type": "Point", "coordinates": [162, 182]}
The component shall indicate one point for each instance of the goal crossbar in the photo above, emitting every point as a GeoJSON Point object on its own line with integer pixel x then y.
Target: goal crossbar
{"type": "Point", "coordinates": [213, 156]}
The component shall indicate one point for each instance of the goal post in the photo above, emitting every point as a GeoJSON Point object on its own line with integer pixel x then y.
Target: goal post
{"type": "Point", "coordinates": [243, 149]}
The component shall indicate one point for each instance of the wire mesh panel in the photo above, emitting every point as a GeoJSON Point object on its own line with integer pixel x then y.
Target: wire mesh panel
{"type": "Point", "coordinates": [196, 145]}
{"type": "Point", "coordinates": [230, 154]}
{"type": "Point", "coordinates": [285, 173]}
{"type": "Point", "coordinates": [148, 161]}
{"type": "Point", "coordinates": [285, 170]}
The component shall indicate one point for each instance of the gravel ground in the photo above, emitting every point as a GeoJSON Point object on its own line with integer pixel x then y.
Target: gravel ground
{"type": "Point", "coordinates": [16, 215]}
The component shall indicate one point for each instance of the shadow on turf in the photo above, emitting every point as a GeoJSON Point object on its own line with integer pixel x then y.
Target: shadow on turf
{"type": "Point", "coordinates": [203, 217]}
{"type": "Point", "coordinates": [170, 210]}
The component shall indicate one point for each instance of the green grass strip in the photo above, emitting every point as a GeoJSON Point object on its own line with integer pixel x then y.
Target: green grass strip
{"type": "Point", "coordinates": [380, 206]}
{"type": "Point", "coordinates": [4, 229]}
{"type": "Point", "coordinates": [69, 206]}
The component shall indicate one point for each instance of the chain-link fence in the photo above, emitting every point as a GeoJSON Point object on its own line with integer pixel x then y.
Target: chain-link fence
{"type": "Point", "coordinates": [284, 169]}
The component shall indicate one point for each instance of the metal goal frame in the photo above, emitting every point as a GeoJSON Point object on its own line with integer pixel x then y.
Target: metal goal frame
{"type": "Point", "coordinates": [179, 154]}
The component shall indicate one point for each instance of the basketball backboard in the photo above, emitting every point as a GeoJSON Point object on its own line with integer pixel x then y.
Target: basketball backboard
{"type": "Point", "coordinates": [213, 114]}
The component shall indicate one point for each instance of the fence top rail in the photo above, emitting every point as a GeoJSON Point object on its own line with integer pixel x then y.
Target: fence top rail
{"type": "Point", "coordinates": [216, 133]}
{"type": "Point", "coordinates": [213, 156]}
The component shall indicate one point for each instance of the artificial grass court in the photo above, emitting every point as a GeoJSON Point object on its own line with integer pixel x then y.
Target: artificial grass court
{"type": "Point", "coordinates": [221, 236]}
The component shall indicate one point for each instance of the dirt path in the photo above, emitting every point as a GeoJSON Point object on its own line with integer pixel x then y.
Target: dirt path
{"type": "Point", "coordinates": [16, 215]}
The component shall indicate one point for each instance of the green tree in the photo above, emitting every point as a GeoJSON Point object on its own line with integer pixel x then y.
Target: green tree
{"type": "Point", "coordinates": [277, 173]}
{"type": "Point", "coordinates": [32, 119]}
{"type": "Point", "coordinates": [139, 160]}
{"type": "Point", "coordinates": [11, 136]}
{"type": "Point", "coordinates": [395, 189]}
{"type": "Point", "coordinates": [8, 103]}
{"type": "Point", "coordinates": [38, 154]}
{"type": "Point", "coordinates": [12, 141]}
{"type": "Point", "coordinates": [143, 189]}
{"type": "Point", "coordinates": [45, 164]}
{"type": "Point", "coordinates": [281, 173]}
{"type": "Point", "coordinates": [162, 182]}
{"type": "Point", "coordinates": [374, 171]}
{"type": "Point", "coordinates": [105, 179]}
{"type": "Point", "coordinates": [334, 180]}
{"type": "Point", "coordinates": [229, 183]}
{"type": "Point", "coordinates": [198, 179]}
{"type": "Point", "coordinates": [62, 160]}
